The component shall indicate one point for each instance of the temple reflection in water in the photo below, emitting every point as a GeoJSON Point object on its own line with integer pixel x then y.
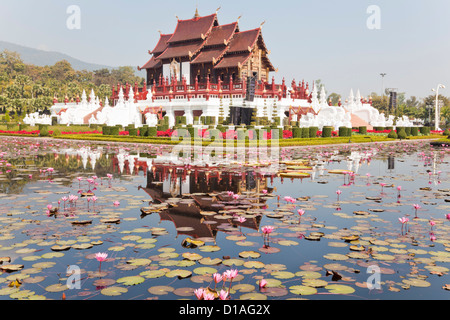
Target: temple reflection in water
{"type": "Point", "coordinates": [199, 199]}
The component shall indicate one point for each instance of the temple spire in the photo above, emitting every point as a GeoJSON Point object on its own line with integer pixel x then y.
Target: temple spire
{"type": "Point", "coordinates": [196, 15]}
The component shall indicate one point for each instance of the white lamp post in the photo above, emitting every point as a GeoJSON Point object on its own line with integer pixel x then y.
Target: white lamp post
{"type": "Point", "coordinates": [437, 111]}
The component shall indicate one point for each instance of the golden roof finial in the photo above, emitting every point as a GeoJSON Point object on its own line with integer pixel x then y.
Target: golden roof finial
{"type": "Point", "coordinates": [196, 15]}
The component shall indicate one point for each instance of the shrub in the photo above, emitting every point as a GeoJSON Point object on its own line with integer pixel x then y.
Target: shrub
{"type": "Point", "coordinates": [106, 130]}
{"type": "Point", "coordinates": [343, 132]}
{"type": "Point", "coordinates": [297, 132]}
{"type": "Point", "coordinates": [114, 131]}
{"type": "Point", "coordinates": [43, 131]}
{"type": "Point", "coordinates": [143, 131]}
{"type": "Point", "coordinates": [402, 134]}
{"type": "Point", "coordinates": [446, 132]}
{"type": "Point", "coordinates": [56, 132]}
{"type": "Point", "coordinates": [362, 130]}
{"type": "Point", "coordinates": [10, 126]}
{"type": "Point", "coordinates": [313, 132]}
{"type": "Point", "coordinates": [152, 132]}
{"type": "Point", "coordinates": [408, 131]}
{"type": "Point", "coordinates": [425, 130]}
{"type": "Point", "coordinates": [133, 132]}
{"type": "Point", "coordinates": [414, 131]}
{"type": "Point", "coordinates": [392, 135]}
{"type": "Point", "coordinates": [326, 132]}
{"type": "Point", "coordinates": [305, 132]}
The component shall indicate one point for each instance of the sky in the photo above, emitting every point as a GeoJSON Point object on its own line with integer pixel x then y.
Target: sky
{"type": "Point", "coordinates": [346, 44]}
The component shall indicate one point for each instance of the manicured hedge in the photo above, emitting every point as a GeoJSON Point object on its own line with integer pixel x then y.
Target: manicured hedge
{"type": "Point", "coordinates": [297, 132]}
{"type": "Point", "coordinates": [43, 131]}
{"type": "Point", "coordinates": [151, 132]}
{"type": "Point", "coordinates": [362, 130]}
{"type": "Point", "coordinates": [392, 134]}
{"type": "Point", "coordinates": [313, 132]}
{"type": "Point", "coordinates": [326, 132]}
{"type": "Point", "coordinates": [415, 131]}
{"type": "Point", "coordinates": [114, 131]}
{"type": "Point", "coordinates": [305, 132]}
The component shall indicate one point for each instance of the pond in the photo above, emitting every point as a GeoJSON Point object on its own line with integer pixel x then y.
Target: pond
{"type": "Point", "coordinates": [167, 227]}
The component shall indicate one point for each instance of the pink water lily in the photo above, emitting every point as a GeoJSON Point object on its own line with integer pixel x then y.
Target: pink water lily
{"type": "Point", "coordinates": [262, 283]}
{"type": "Point", "coordinates": [217, 277]}
{"type": "Point", "coordinates": [241, 219]}
{"type": "Point", "coordinates": [267, 229]}
{"type": "Point", "coordinates": [101, 256]}
{"type": "Point", "coordinates": [208, 296]}
{"type": "Point", "coordinates": [300, 212]}
{"type": "Point", "coordinates": [403, 220]}
{"type": "Point", "coordinates": [116, 203]}
{"type": "Point", "coordinates": [199, 293]}
{"type": "Point", "coordinates": [289, 199]}
{"type": "Point", "coordinates": [223, 294]}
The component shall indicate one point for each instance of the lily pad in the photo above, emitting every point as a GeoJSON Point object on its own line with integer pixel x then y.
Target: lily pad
{"type": "Point", "coordinates": [114, 291]}
{"type": "Point", "coordinates": [131, 280]}
{"type": "Point", "coordinates": [302, 290]}
{"type": "Point", "coordinates": [249, 254]}
{"type": "Point", "coordinates": [151, 274]}
{"type": "Point", "coordinates": [160, 290]}
{"type": "Point", "coordinates": [180, 273]}
{"type": "Point", "coordinates": [340, 289]}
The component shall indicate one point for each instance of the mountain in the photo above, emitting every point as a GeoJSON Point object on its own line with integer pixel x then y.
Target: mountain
{"type": "Point", "coordinates": [44, 58]}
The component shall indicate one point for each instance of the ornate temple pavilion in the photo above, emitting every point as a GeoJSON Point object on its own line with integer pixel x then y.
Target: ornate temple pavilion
{"type": "Point", "coordinates": [207, 69]}
{"type": "Point", "coordinates": [200, 49]}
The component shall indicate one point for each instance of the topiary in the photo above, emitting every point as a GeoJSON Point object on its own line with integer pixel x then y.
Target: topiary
{"type": "Point", "coordinates": [326, 132]}
{"type": "Point", "coordinates": [446, 132]}
{"type": "Point", "coordinates": [305, 132]}
{"type": "Point", "coordinates": [402, 134]}
{"type": "Point", "coordinates": [392, 135]}
{"type": "Point", "coordinates": [56, 132]}
{"type": "Point", "coordinates": [297, 132]}
{"type": "Point", "coordinates": [43, 131]}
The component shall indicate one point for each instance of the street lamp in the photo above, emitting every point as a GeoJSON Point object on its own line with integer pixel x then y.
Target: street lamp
{"type": "Point", "coordinates": [437, 111]}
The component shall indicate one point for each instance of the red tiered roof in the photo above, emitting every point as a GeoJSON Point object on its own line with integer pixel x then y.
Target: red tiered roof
{"type": "Point", "coordinates": [221, 35]}
{"type": "Point", "coordinates": [152, 63]}
{"type": "Point", "coordinates": [181, 50]}
{"type": "Point", "coordinates": [193, 29]}
{"type": "Point", "coordinates": [244, 40]}
{"type": "Point", "coordinates": [162, 44]}
{"type": "Point", "coordinates": [210, 55]}
{"type": "Point", "coordinates": [233, 60]}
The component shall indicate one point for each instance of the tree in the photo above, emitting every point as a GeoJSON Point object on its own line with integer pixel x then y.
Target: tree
{"type": "Point", "coordinates": [61, 70]}
{"type": "Point", "coordinates": [334, 98]}
{"type": "Point", "coordinates": [445, 115]}
{"type": "Point", "coordinates": [380, 103]}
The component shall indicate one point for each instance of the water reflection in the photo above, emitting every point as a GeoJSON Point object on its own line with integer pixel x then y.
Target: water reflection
{"type": "Point", "coordinates": [200, 199]}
